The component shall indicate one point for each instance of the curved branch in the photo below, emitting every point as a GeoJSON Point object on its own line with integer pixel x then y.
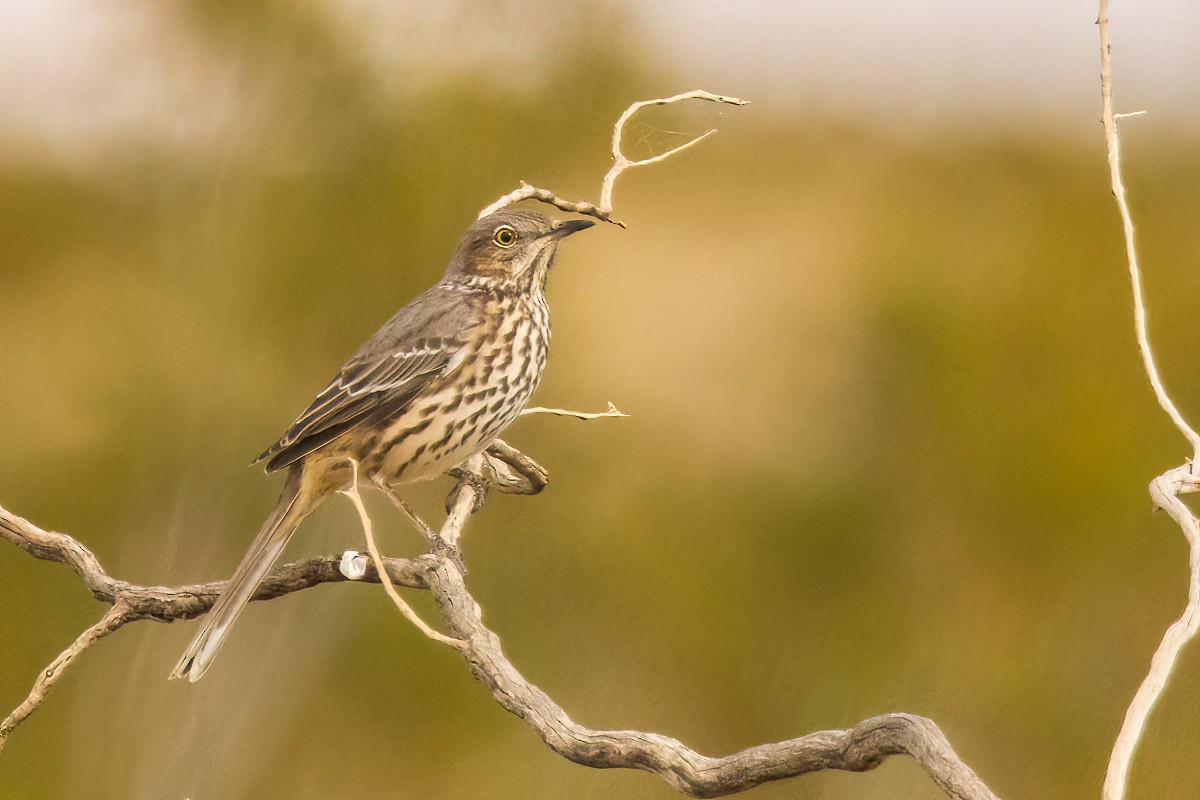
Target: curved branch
{"type": "Point", "coordinates": [527, 192]}
{"type": "Point", "coordinates": [1165, 489]}
{"type": "Point", "coordinates": [860, 748]}
{"type": "Point", "coordinates": [621, 162]}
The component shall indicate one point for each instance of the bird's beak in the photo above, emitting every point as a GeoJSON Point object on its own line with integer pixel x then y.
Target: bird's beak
{"type": "Point", "coordinates": [568, 226]}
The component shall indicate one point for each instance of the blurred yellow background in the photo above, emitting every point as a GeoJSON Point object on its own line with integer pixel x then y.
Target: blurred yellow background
{"type": "Point", "coordinates": [889, 439]}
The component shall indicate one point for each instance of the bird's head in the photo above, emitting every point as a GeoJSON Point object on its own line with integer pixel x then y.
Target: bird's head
{"type": "Point", "coordinates": [511, 249]}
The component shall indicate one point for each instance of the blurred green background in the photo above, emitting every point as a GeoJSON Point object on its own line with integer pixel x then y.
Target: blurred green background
{"type": "Point", "coordinates": [889, 439]}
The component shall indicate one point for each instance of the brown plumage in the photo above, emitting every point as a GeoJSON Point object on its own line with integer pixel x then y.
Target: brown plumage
{"type": "Point", "coordinates": [433, 387]}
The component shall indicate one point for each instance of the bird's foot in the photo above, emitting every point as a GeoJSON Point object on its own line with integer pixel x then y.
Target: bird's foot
{"type": "Point", "coordinates": [480, 484]}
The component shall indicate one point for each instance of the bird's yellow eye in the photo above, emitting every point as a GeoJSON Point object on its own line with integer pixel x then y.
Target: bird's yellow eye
{"type": "Point", "coordinates": [505, 236]}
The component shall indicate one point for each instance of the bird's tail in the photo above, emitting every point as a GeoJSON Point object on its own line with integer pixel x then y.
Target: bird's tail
{"type": "Point", "coordinates": [293, 506]}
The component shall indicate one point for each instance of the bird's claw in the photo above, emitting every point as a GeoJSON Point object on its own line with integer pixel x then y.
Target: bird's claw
{"type": "Point", "coordinates": [478, 483]}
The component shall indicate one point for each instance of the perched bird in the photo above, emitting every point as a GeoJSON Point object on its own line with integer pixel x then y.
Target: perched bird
{"type": "Point", "coordinates": [433, 387]}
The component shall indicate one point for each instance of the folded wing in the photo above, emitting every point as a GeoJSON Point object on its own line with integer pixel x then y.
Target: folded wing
{"type": "Point", "coordinates": [368, 389]}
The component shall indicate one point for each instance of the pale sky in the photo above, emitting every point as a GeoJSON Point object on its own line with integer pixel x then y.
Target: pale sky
{"type": "Point", "coordinates": [76, 75]}
{"type": "Point", "coordinates": [939, 56]}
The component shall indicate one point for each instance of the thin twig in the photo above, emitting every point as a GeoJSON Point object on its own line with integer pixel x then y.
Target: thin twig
{"type": "Point", "coordinates": [527, 192]}
{"type": "Point", "coordinates": [621, 162]}
{"type": "Point", "coordinates": [369, 533]}
{"type": "Point", "coordinates": [562, 412]}
{"type": "Point", "coordinates": [113, 619]}
{"type": "Point", "coordinates": [1113, 140]}
{"type": "Point", "coordinates": [1166, 489]}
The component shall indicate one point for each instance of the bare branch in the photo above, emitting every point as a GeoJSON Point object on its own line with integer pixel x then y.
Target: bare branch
{"type": "Point", "coordinates": [1164, 490]}
{"type": "Point", "coordinates": [562, 412]}
{"type": "Point", "coordinates": [621, 162]}
{"type": "Point", "coordinates": [465, 500]}
{"type": "Point", "coordinates": [527, 192]}
{"type": "Point", "coordinates": [132, 602]}
{"type": "Point", "coordinates": [860, 748]}
{"type": "Point", "coordinates": [164, 604]}
{"type": "Point", "coordinates": [113, 619]}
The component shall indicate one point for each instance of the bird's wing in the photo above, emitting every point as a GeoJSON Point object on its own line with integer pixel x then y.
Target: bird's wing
{"type": "Point", "coordinates": [368, 388]}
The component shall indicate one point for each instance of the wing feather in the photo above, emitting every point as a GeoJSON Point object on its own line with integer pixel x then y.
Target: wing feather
{"type": "Point", "coordinates": [367, 387]}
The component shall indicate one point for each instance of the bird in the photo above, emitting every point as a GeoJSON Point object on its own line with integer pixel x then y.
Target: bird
{"type": "Point", "coordinates": [431, 388]}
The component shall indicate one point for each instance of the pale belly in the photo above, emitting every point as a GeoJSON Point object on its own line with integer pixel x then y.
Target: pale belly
{"type": "Point", "coordinates": [442, 430]}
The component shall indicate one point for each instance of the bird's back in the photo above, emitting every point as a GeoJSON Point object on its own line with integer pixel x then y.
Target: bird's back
{"type": "Point", "coordinates": [411, 350]}
{"type": "Point", "coordinates": [433, 386]}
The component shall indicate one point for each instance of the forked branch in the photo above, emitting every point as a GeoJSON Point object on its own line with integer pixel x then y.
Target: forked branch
{"type": "Point", "coordinates": [621, 162]}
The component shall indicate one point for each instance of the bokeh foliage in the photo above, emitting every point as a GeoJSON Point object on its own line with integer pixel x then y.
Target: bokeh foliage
{"type": "Point", "coordinates": [888, 448]}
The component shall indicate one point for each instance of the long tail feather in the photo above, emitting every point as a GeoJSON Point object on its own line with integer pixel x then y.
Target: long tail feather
{"type": "Point", "coordinates": [293, 506]}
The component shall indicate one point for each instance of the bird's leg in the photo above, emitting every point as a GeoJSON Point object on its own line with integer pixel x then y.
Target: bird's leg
{"type": "Point", "coordinates": [478, 473]}
{"type": "Point", "coordinates": [436, 543]}
{"type": "Point", "coordinates": [407, 510]}
{"type": "Point", "coordinates": [368, 532]}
